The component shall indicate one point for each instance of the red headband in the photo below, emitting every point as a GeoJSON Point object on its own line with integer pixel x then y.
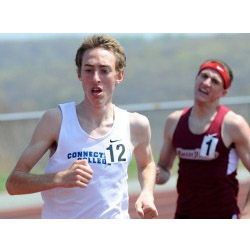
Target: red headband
{"type": "Point", "coordinates": [220, 69]}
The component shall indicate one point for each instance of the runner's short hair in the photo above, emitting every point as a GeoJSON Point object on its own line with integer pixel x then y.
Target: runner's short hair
{"type": "Point", "coordinates": [102, 41]}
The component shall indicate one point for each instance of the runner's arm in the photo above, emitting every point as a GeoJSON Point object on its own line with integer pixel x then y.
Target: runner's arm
{"type": "Point", "coordinates": [21, 181]}
{"type": "Point", "coordinates": [141, 135]}
{"type": "Point", "coordinates": [167, 154]}
{"type": "Point", "coordinates": [239, 132]}
{"type": "Point", "coordinates": [45, 136]}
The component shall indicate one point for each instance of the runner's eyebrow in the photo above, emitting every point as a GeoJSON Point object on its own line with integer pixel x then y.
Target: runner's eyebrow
{"type": "Point", "coordinates": [105, 66]}
{"type": "Point", "coordinates": [102, 65]}
{"type": "Point", "coordinates": [88, 65]}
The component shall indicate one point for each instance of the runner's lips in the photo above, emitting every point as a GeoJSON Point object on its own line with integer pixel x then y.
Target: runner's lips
{"type": "Point", "coordinates": [203, 91]}
{"type": "Point", "coordinates": [96, 90]}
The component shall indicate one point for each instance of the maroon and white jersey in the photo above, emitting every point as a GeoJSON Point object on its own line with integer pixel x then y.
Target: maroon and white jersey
{"type": "Point", "coordinates": [207, 185]}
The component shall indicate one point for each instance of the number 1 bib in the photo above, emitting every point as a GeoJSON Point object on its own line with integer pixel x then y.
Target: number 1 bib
{"type": "Point", "coordinates": [208, 146]}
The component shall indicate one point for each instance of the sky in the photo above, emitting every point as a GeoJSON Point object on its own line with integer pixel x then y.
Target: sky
{"type": "Point", "coordinates": [34, 36]}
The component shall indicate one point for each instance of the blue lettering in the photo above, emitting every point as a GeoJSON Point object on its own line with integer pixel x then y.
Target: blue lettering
{"type": "Point", "coordinates": [92, 157]}
{"type": "Point", "coordinates": [82, 158]}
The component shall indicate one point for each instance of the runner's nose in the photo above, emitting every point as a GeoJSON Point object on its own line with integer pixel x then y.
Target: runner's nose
{"type": "Point", "coordinates": [96, 77]}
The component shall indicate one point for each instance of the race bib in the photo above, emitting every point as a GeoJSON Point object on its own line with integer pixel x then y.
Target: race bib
{"type": "Point", "coordinates": [116, 151]}
{"type": "Point", "coordinates": [208, 146]}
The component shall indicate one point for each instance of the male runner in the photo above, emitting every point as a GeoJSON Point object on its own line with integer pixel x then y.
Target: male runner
{"type": "Point", "coordinates": [91, 146]}
{"type": "Point", "coordinates": [208, 138]}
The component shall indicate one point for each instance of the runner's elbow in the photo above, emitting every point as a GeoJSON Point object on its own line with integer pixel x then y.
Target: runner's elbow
{"type": "Point", "coordinates": [10, 187]}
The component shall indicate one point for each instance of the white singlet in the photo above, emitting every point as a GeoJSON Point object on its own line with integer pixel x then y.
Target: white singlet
{"type": "Point", "coordinates": [106, 196]}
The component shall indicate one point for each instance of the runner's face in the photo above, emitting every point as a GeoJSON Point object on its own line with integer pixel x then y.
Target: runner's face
{"type": "Point", "coordinates": [209, 86]}
{"type": "Point", "coordinates": [98, 76]}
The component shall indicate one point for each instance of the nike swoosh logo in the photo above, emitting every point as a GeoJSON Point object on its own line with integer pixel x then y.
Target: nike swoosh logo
{"type": "Point", "coordinates": [114, 140]}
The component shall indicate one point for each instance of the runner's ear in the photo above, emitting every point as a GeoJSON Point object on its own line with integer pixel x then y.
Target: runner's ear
{"type": "Point", "coordinates": [120, 76]}
{"type": "Point", "coordinates": [224, 92]}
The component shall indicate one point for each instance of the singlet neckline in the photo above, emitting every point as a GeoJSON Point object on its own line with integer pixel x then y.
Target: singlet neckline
{"type": "Point", "coordinates": [204, 133]}
{"type": "Point", "coordinates": [81, 130]}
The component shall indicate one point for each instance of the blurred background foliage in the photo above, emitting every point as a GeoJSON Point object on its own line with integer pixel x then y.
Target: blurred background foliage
{"type": "Point", "coordinates": [38, 74]}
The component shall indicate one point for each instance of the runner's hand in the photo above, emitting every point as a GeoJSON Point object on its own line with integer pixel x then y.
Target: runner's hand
{"type": "Point", "coordinates": [162, 175]}
{"type": "Point", "coordinates": [78, 175]}
{"type": "Point", "coordinates": [145, 207]}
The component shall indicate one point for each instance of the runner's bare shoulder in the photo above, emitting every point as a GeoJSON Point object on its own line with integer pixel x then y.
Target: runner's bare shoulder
{"type": "Point", "coordinates": [171, 123]}
{"type": "Point", "coordinates": [50, 124]}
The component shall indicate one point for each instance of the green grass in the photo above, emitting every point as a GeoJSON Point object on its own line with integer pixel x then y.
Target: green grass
{"type": "Point", "coordinates": [3, 179]}
{"type": "Point", "coordinates": [132, 169]}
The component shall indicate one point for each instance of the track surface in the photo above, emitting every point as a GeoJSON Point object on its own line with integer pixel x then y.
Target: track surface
{"type": "Point", "coordinates": [165, 202]}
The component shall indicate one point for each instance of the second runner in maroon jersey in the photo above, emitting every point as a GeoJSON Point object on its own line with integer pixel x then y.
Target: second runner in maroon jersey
{"type": "Point", "coordinates": [208, 139]}
{"type": "Point", "coordinates": [206, 186]}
